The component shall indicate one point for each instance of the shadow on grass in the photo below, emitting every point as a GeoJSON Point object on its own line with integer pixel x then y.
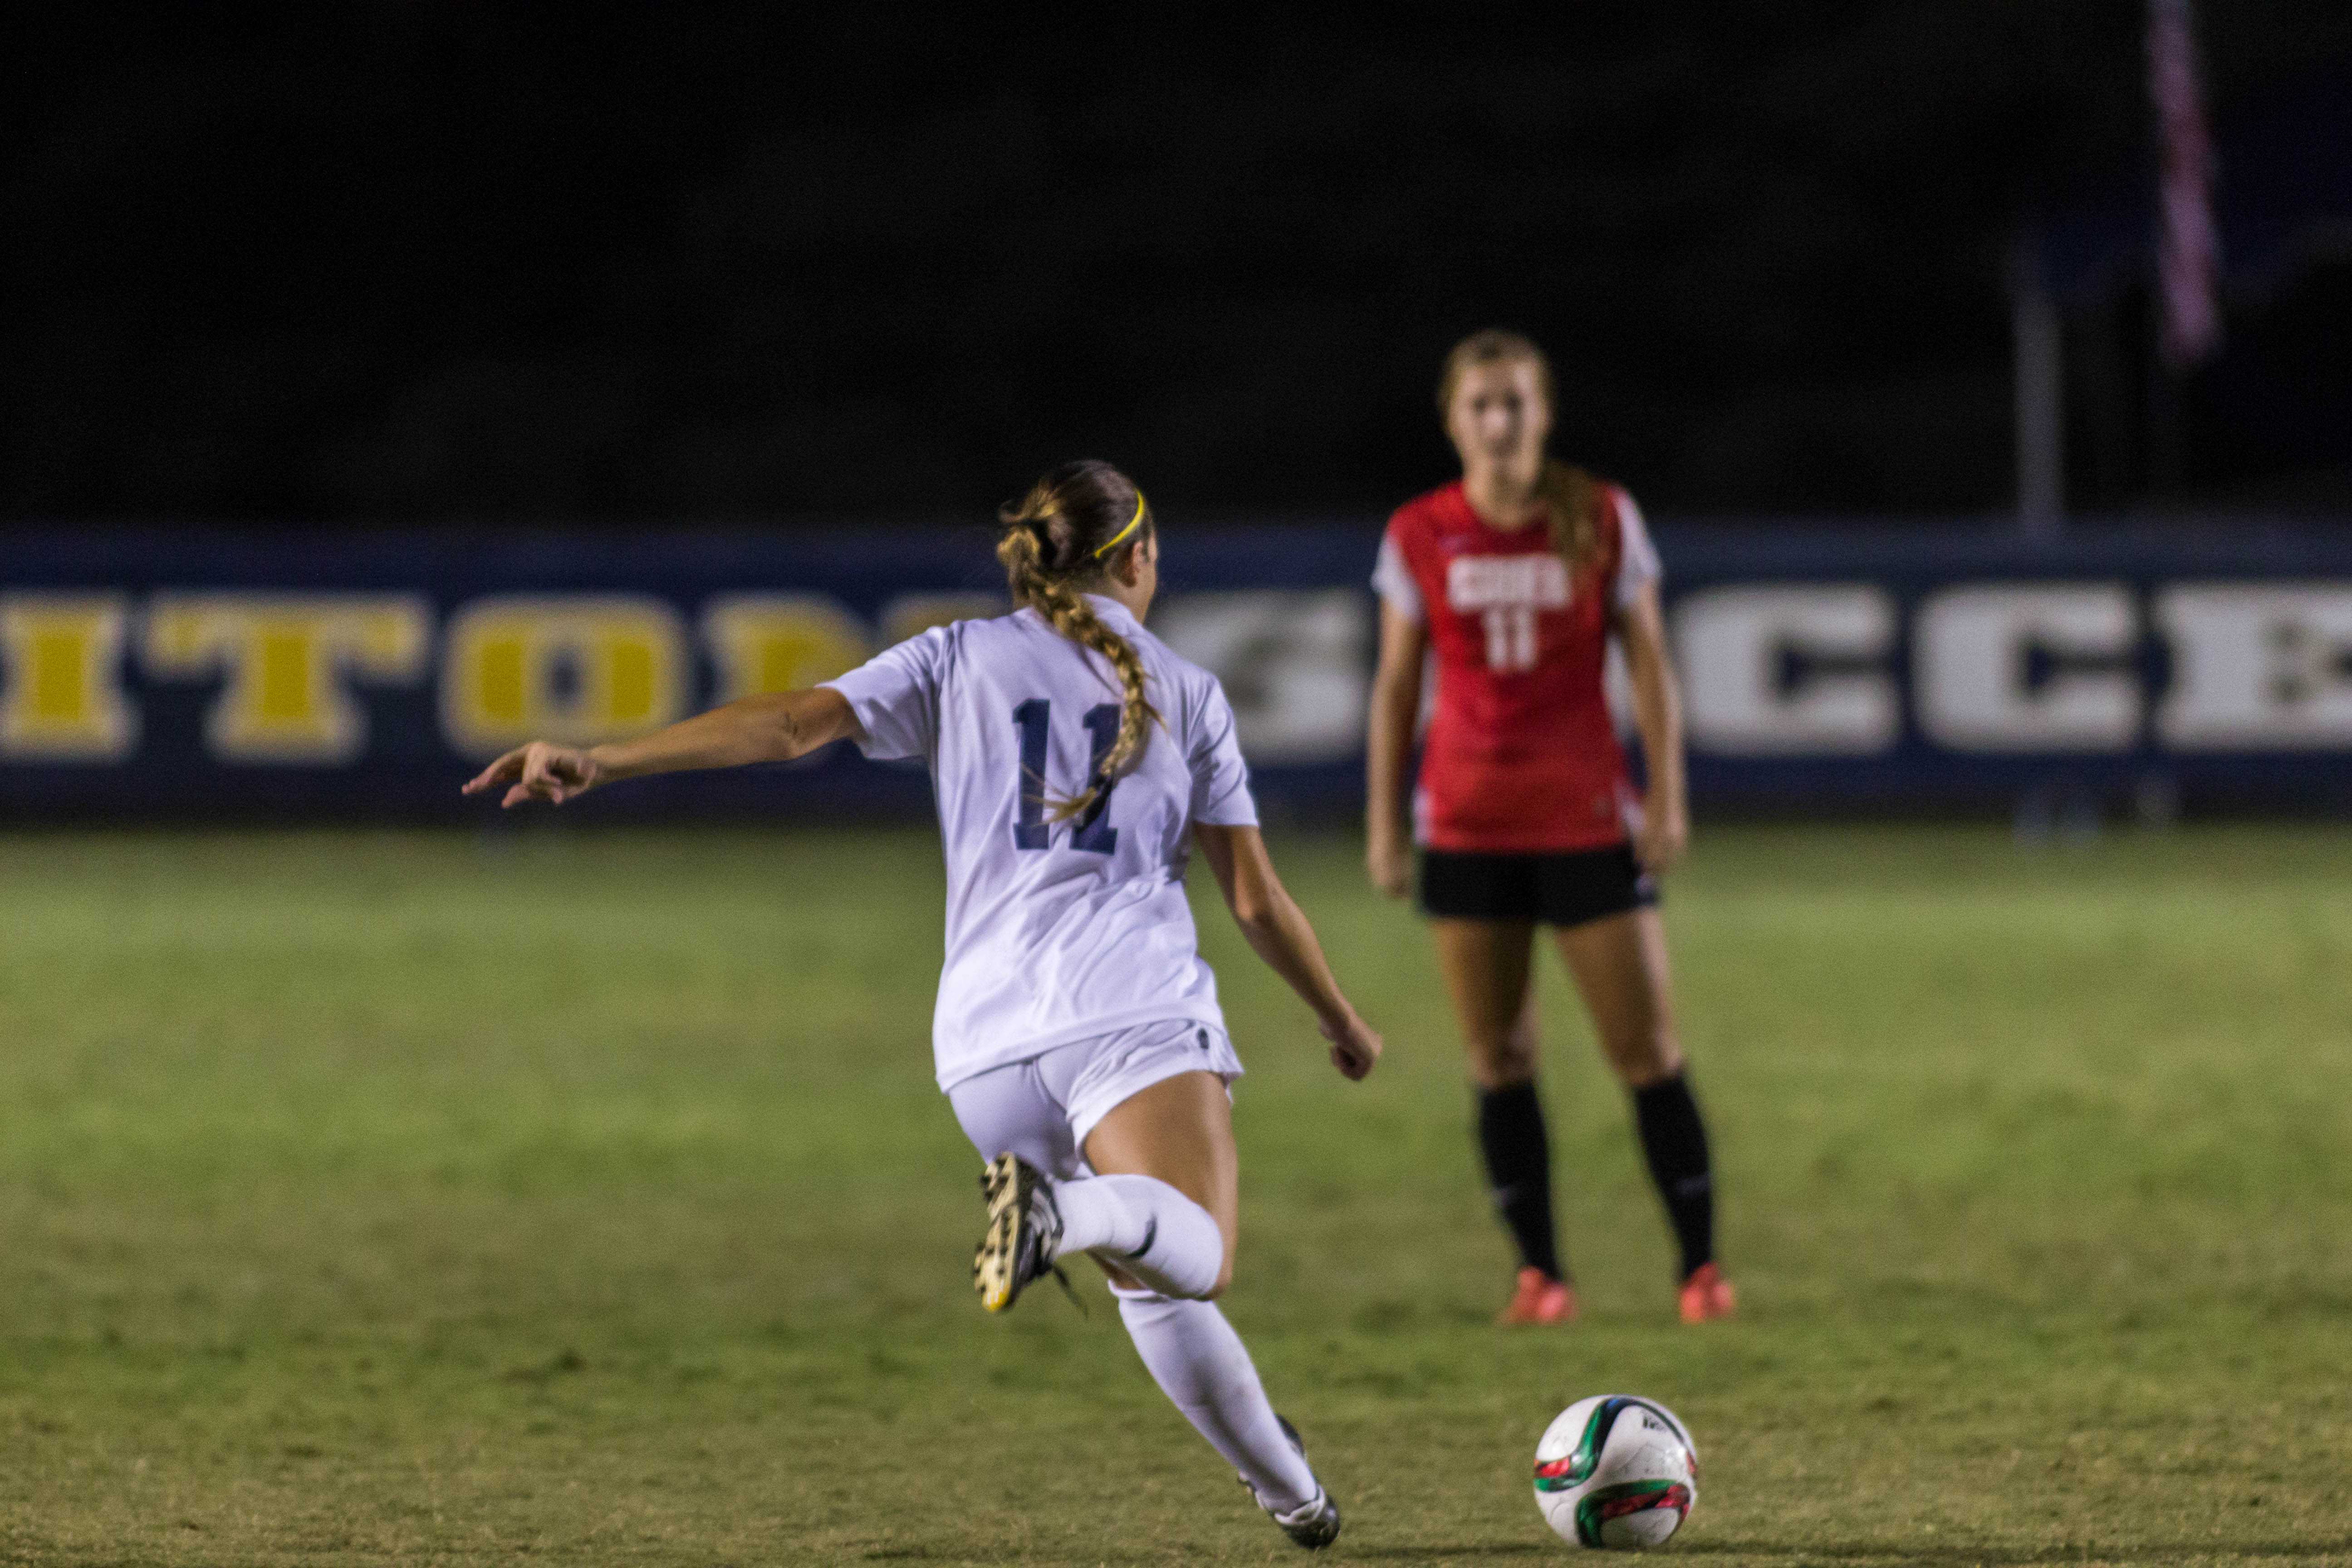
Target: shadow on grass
{"type": "Point", "coordinates": [963, 1554]}
{"type": "Point", "coordinates": [2336, 1549]}
{"type": "Point", "coordinates": [1439, 1553]}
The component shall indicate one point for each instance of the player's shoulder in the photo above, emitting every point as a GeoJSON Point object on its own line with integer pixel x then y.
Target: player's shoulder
{"type": "Point", "coordinates": [1026, 633]}
{"type": "Point", "coordinates": [967, 627]}
{"type": "Point", "coordinates": [934, 644]}
{"type": "Point", "coordinates": [1187, 691]}
{"type": "Point", "coordinates": [985, 636]}
{"type": "Point", "coordinates": [1628, 530]}
{"type": "Point", "coordinates": [1168, 663]}
{"type": "Point", "coordinates": [1617, 502]}
{"type": "Point", "coordinates": [1427, 512]}
{"type": "Point", "coordinates": [954, 652]}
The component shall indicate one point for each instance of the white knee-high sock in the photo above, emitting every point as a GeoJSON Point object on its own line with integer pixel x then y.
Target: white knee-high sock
{"type": "Point", "coordinates": [1144, 1228]}
{"type": "Point", "coordinates": [1202, 1365]}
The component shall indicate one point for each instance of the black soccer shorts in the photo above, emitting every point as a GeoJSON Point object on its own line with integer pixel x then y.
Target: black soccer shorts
{"type": "Point", "coordinates": [1553, 890]}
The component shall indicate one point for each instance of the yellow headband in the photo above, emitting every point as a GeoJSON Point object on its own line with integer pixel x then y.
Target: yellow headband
{"type": "Point", "coordinates": [1132, 522]}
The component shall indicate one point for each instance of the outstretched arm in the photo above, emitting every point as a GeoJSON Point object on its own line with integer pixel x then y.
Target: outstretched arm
{"type": "Point", "coordinates": [1658, 715]}
{"type": "Point", "coordinates": [1277, 931]}
{"type": "Point", "coordinates": [775, 728]}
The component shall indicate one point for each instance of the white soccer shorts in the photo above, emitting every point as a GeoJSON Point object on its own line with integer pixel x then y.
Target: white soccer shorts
{"type": "Point", "coordinates": [1042, 1109]}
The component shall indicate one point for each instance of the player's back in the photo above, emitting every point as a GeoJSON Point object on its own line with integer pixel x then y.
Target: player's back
{"type": "Point", "coordinates": [1056, 928]}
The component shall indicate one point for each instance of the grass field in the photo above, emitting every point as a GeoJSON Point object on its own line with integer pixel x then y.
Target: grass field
{"type": "Point", "coordinates": [453, 1197]}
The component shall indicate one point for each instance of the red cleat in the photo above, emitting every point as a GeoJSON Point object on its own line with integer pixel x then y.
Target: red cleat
{"type": "Point", "coordinates": [1540, 1298]}
{"type": "Point", "coordinates": [1707, 1295]}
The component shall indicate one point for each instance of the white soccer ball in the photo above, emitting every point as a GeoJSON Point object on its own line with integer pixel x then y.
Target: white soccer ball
{"type": "Point", "coordinates": [1616, 1470]}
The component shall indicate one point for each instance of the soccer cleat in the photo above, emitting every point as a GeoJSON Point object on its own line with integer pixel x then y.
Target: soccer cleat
{"type": "Point", "coordinates": [1313, 1524]}
{"type": "Point", "coordinates": [1707, 1295]}
{"type": "Point", "coordinates": [1017, 1250]}
{"type": "Point", "coordinates": [1540, 1298]}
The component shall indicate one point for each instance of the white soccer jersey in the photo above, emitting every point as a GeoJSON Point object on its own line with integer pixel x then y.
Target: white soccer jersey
{"type": "Point", "coordinates": [1056, 931]}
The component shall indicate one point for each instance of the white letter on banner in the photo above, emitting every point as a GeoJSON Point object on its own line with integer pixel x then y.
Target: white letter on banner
{"type": "Point", "coordinates": [575, 668]}
{"type": "Point", "coordinates": [2257, 667]}
{"type": "Point", "coordinates": [61, 697]}
{"type": "Point", "coordinates": [1969, 652]}
{"type": "Point", "coordinates": [285, 656]}
{"type": "Point", "coordinates": [1743, 653]}
{"type": "Point", "coordinates": [1292, 662]}
{"type": "Point", "coordinates": [780, 642]}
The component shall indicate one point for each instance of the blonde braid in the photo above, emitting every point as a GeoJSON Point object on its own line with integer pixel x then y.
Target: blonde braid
{"type": "Point", "coordinates": [1022, 549]}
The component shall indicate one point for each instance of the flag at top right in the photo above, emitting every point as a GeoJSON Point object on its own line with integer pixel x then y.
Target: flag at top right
{"type": "Point", "coordinates": [2187, 248]}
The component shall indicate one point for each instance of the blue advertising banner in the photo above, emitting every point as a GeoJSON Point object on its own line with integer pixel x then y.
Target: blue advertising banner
{"type": "Point", "coordinates": [173, 673]}
{"type": "Point", "coordinates": [1981, 668]}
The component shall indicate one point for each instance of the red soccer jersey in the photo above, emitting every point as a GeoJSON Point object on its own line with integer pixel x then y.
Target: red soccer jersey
{"type": "Point", "coordinates": [1521, 757]}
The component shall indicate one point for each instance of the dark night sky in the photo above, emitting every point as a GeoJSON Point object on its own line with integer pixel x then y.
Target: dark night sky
{"type": "Point", "coordinates": [398, 261]}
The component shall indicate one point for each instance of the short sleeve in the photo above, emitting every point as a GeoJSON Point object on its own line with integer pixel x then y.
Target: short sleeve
{"type": "Point", "coordinates": [1637, 559]}
{"type": "Point", "coordinates": [896, 697]}
{"type": "Point", "coordinates": [1221, 789]}
{"type": "Point", "coordinates": [1392, 580]}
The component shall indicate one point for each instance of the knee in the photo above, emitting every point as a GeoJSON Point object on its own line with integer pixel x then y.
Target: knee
{"type": "Point", "coordinates": [1179, 1290]}
{"type": "Point", "coordinates": [1648, 1057]}
{"type": "Point", "coordinates": [1502, 1062]}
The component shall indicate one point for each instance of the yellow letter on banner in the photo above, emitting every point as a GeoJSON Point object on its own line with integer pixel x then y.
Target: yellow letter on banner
{"type": "Point", "coordinates": [780, 642]}
{"type": "Point", "coordinates": [61, 679]}
{"type": "Point", "coordinates": [578, 669]}
{"type": "Point", "coordinates": [285, 656]}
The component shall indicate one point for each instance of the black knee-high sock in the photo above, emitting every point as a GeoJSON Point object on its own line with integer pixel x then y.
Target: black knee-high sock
{"type": "Point", "coordinates": [1674, 1140]}
{"type": "Point", "coordinates": [1518, 1170]}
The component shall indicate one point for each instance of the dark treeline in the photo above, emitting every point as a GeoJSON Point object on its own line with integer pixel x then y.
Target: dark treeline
{"type": "Point", "coordinates": [395, 261]}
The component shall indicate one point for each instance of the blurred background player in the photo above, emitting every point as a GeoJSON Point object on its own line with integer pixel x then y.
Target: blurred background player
{"type": "Point", "coordinates": [1077, 1033]}
{"type": "Point", "coordinates": [1517, 575]}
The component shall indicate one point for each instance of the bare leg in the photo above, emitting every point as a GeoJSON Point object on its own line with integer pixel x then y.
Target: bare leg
{"type": "Point", "coordinates": [1620, 967]}
{"type": "Point", "coordinates": [1179, 1130]}
{"type": "Point", "coordinates": [1486, 966]}
{"type": "Point", "coordinates": [1619, 964]}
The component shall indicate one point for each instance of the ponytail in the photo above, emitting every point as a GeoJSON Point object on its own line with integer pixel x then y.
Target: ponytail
{"type": "Point", "coordinates": [1572, 509]}
{"type": "Point", "coordinates": [1057, 542]}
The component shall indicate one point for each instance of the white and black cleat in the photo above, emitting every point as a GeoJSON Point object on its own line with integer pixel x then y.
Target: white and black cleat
{"type": "Point", "coordinates": [1313, 1524]}
{"type": "Point", "coordinates": [1017, 1248]}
